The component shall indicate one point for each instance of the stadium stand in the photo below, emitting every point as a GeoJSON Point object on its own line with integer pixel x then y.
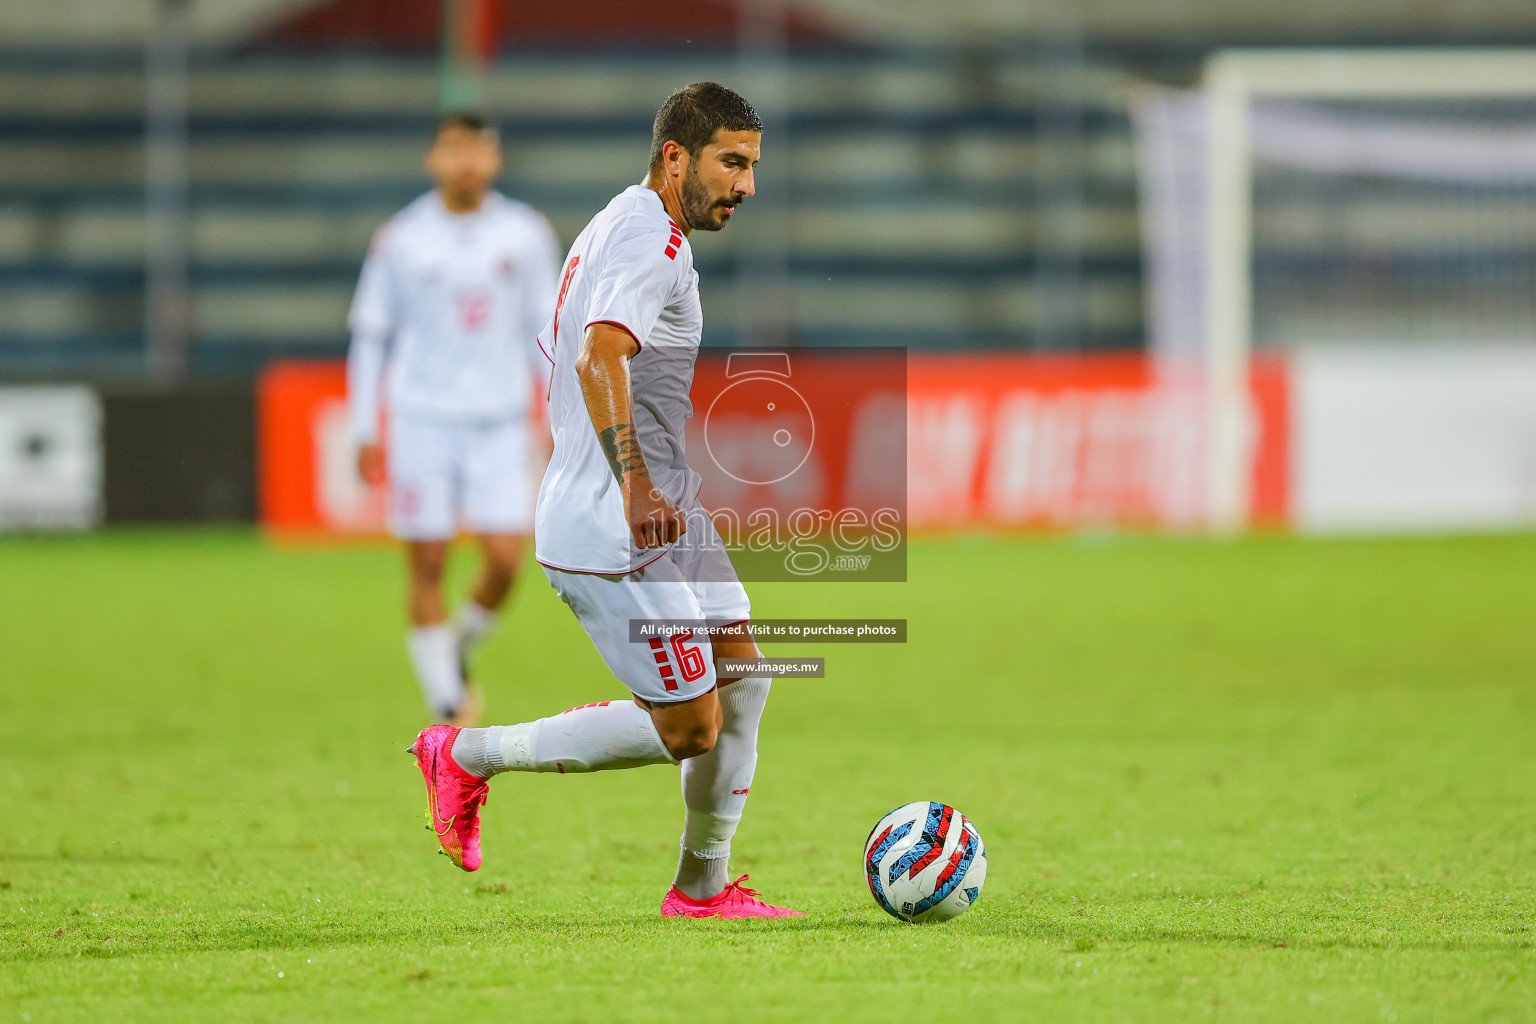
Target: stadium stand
{"type": "Point", "coordinates": [908, 176]}
{"type": "Point", "coordinates": [924, 186]}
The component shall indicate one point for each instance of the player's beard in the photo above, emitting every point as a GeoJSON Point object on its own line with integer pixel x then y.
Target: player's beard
{"type": "Point", "coordinates": [698, 204]}
{"type": "Point", "coordinates": [464, 196]}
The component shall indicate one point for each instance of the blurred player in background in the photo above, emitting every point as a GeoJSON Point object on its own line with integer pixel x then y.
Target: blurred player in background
{"type": "Point", "coordinates": [451, 298]}
{"type": "Point", "coordinates": [615, 502]}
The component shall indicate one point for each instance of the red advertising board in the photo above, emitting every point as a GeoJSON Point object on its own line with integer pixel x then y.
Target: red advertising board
{"type": "Point", "coordinates": [1069, 441]}
{"type": "Point", "coordinates": [991, 440]}
{"type": "Point", "coordinates": [306, 479]}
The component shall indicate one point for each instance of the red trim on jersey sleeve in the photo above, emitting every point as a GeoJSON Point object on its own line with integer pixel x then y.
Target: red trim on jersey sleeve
{"type": "Point", "coordinates": [540, 342]}
{"type": "Point", "coordinates": [623, 327]}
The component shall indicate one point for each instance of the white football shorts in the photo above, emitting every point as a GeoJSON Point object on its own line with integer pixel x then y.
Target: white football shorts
{"type": "Point", "coordinates": [445, 474]}
{"type": "Point", "coordinates": [693, 581]}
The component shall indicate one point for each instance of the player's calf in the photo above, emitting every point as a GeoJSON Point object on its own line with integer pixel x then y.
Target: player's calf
{"type": "Point", "coordinates": [593, 737]}
{"type": "Point", "coordinates": [688, 738]}
{"type": "Point", "coordinates": [689, 728]}
{"type": "Point", "coordinates": [715, 788]}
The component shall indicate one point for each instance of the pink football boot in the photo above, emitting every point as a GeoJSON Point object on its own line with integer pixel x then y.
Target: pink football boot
{"type": "Point", "coordinates": [454, 797]}
{"type": "Point", "coordinates": [736, 900]}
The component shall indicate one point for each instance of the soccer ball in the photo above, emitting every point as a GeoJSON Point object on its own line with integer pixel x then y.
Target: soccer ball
{"type": "Point", "coordinates": [925, 862]}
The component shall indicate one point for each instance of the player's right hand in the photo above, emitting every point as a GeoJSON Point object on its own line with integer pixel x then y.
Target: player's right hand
{"type": "Point", "coordinates": [653, 520]}
{"type": "Point", "coordinates": [370, 464]}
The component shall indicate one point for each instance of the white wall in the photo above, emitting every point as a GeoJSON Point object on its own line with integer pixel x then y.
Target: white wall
{"type": "Point", "coordinates": [1414, 439]}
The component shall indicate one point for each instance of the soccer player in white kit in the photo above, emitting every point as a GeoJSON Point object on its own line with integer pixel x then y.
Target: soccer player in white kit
{"type": "Point", "coordinates": [451, 298]}
{"type": "Point", "coordinates": [619, 530]}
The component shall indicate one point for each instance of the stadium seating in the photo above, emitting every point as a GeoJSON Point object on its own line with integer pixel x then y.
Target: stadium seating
{"type": "Point", "coordinates": [909, 182]}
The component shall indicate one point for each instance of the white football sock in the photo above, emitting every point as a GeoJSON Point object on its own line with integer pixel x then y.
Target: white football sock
{"type": "Point", "coordinates": [715, 787]}
{"type": "Point", "coordinates": [474, 623]}
{"type": "Point", "coordinates": [591, 738]}
{"type": "Point", "coordinates": [435, 657]}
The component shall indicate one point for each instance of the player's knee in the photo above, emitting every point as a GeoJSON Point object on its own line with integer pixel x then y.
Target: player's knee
{"type": "Point", "coordinates": [695, 746]}
{"type": "Point", "coordinates": [501, 566]}
{"type": "Point", "coordinates": [427, 565]}
{"type": "Point", "coordinates": [690, 740]}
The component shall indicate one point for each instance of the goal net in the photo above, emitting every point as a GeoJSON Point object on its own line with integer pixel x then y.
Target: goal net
{"type": "Point", "coordinates": [1333, 200]}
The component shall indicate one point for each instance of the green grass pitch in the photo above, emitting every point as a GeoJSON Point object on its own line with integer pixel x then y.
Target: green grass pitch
{"type": "Point", "coordinates": [1271, 780]}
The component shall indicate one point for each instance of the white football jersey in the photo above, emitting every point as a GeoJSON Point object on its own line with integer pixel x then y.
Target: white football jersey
{"type": "Point", "coordinates": [631, 267]}
{"type": "Point", "coordinates": [458, 299]}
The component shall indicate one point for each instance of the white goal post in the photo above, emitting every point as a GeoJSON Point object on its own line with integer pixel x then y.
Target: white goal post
{"type": "Point", "coordinates": [1232, 80]}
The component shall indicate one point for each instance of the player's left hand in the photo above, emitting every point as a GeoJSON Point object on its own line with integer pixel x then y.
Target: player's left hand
{"type": "Point", "coordinates": [370, 464]}
{"type": "Point", "coordinates": [653, 520]}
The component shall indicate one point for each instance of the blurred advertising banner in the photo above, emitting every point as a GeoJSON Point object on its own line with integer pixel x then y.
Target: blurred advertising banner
{"type": "Point", "coordinates": [50, 458]}
{"type": "Point", "coordinates": [803, 458]}
{"type": "Point", "coordinates": [801, 454]}
{"type": "Point", "coordinates": [1072, 441]}
{"type": "Point", "coordinates": [816, 462]}
{"type": "Point", "coordinates": [307, 481]}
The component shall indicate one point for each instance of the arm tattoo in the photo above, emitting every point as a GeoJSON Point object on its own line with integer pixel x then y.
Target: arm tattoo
{"type": "Point", "coordinates": [622, 447]}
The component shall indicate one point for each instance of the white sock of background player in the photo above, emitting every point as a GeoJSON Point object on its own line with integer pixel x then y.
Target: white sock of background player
{"type": "Point", "coordinates": [435, 656]}
{"type": "Point", "coordinates": [715, 789]}
{"type": "Point", "coordinates": [472, 623]}
{"type": "Point", "coordinates": [591, 738]}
